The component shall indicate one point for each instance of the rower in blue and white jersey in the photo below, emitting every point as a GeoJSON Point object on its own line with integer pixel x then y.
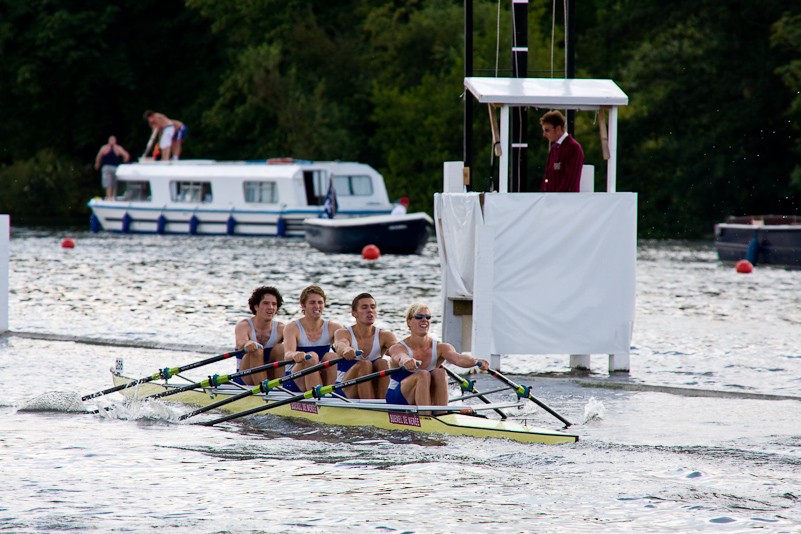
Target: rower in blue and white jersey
{"type": "Point", "coordinates": [373, 342]}
{"type": "Point", "coordinates": [260, 335]}
{"type": "Point", "coordinates": [311, 335]}
{"type": "Point", "coordinates": [423, 381]}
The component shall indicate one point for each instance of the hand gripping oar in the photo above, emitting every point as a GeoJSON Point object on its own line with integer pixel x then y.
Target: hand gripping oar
{"type": "Point", "coordinates": [525, 392]}
{"type": "Point", "coordinates": [468, 385]}
{"type": "Point", "coordinates": [316, 392]}
{"type": "Point", "coordinates": [216, 380]}
{"type": "Point", "coordinates": [163, 374]}
{"type": "Point", "coordinates": [264, 387]}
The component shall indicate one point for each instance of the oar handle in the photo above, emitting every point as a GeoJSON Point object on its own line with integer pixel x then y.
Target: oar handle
{"type": "Point", "coordinates": [525, 392]}
{"type": "Point", "coordinates": [317, 392]}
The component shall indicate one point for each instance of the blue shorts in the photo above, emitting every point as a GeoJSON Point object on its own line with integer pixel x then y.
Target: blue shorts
{"type": "Point", "coordinates": [394, 396]}
{"type": "Point", "coordinates": [238, 380]}
{"type": "Point", "coordinates": [290, 385]}
{"type": "Point", "coordinates": [180, 133]}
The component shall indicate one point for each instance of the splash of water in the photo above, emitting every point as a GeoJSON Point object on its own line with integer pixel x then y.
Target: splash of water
{"type": "Point", "coordinates": [55, 401]}
{"type": "Point", "coordinates": [594, 409]}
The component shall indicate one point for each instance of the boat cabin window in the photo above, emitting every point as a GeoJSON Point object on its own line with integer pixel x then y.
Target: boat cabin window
{"type": "Point", "coordinates": [190, 192]}
{"type": "Point", "coordinates": [261, 192]}
{"type": "Point", "coordinates": [353, 185]}
{"type": "Point", "coordinates": [133, 191]}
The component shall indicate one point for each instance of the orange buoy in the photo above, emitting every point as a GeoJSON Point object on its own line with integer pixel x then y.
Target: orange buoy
{"type": "Point", "coordinates": [371, 252]}
{"type": "Point", "coordinates": [67, 243]}
{"type": "Point", "coordinates": [744, 266]}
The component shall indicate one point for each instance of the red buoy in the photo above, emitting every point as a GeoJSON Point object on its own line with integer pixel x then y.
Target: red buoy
{"type": "Point", "coordinates": [371, 252]}
{"type": "Point", "coordinates": [67, 243]}
{"type": "Point", "coordinates": [744, 266]}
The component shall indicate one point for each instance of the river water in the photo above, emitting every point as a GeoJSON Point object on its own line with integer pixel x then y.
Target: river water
{"type": "Point", "coordinates": [650, 459]}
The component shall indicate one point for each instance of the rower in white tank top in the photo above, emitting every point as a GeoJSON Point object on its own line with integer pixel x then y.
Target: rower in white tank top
{"type": "Point", "coordinates": [397, 377]}
{"type": "Point", "coordinates": [375, 354]}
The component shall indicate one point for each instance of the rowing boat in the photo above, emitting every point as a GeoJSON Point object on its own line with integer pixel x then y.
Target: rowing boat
{"type": "Point", "coordinates": [461, 421]}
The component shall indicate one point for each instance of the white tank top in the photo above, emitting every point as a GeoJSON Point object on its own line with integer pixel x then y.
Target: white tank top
{"type": "Point", "coordinates": [270, 342]}
{"type": "Point", "coordinates": [375, 352]}
{"type": "Point", "coordinates": [303, 341]}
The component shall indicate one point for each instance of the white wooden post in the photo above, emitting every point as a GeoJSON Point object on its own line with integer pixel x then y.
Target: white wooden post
{"type": "Point", "coordinates": [453, 177]}
{"type": "Point", "coordinates": [619, 363]}
{"type": "Point", "coordinates": [5, 236]}
{"type": "Point", "coordinates": [611, 165]}
{"type": "Point", "coordinates": [503, 164]}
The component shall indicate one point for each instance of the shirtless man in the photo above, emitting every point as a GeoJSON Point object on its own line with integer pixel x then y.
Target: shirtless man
{"type": "Point", "coordinates": [422, 381]}
{"type": "Point", "coordinates": [260, 336]}
{"type": "Point", "coordinates": [372, 341]}
{"type": "Point", "coordinates": [172, 134]}
{"type": "Point", "coordinates": [310, 335]}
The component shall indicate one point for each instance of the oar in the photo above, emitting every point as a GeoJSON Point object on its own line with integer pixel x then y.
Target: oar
{"type": "Point", "coordinates": [525, 392]}
{"type": "Point", "coordinates": [264, 387]}
{"type": "Point", "coordinates": [317, 392]}
{"type": "Point", "coordinates": [468, 385]}
{"type": "Point", "coordinates": [216, 380]}
{"type": "Point", "coordinates": [164, 374]}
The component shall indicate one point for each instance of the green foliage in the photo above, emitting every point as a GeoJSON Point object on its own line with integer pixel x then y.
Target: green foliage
{"type": "Point", "coordinates": [711, 128]}
{"type": "Point", "coordinates": [705, 134]}
{"type": "Point", "coordinates": [47, 188]}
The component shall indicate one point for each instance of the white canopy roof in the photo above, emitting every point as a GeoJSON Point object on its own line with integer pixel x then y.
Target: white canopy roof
{"type": "Point", "coordinates": [551, 93]}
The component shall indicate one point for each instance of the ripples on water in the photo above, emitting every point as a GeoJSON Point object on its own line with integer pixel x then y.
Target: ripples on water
{"type": "Point", "coordinates": [647, 462]}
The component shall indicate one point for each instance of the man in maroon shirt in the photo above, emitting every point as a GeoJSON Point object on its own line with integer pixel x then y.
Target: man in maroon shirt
{"type": "Point", "coordinates": [565, 159]}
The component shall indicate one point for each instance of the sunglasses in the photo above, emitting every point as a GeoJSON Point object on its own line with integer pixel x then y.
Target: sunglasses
{"type": "Point", "coordinates": [421, 316]}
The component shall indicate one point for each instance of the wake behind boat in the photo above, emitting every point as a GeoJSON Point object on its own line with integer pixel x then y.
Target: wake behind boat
{"type": "Point", "coordinates": [462, 420]}
{"type": "Point", "coordinates": [263, 198]}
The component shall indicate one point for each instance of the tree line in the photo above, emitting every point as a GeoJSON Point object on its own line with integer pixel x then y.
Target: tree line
{"type": "Point", "coordinates": [711, 128]}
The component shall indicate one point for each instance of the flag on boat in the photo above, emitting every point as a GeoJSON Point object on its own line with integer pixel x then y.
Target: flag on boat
{"type": "Point", "coordinates": [330, 207]}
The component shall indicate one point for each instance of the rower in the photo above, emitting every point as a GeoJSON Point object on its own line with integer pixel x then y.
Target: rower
{"type": "Point", "coordinates": [422, 381]}
{"type": "Point", "coordinates": [260, 336]}
{"type": "Point", "coordinates": [373, 343]}
{"type": "Point", "coordinates": [310, 335]}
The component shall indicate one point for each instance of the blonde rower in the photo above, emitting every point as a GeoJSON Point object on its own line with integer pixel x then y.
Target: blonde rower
{"type": "Point", "coordinates": [422, 381]}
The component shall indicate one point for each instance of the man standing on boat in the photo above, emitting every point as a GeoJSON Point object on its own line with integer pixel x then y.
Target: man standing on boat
{"type": "Point", "coordinates": [565, 159]}
{"type": "Point", "coordinates": [260, 335]}
{"type": "Point", "coordinates": [108, 157]}
{"type": "Point", "coordinates": [171, 135]}
{"type": "Point", "coordinates": [310, 335]}
{"type": "Point", "coordinates": [372, 341]}
{"type": "Point", "coordinates": [422, 381]}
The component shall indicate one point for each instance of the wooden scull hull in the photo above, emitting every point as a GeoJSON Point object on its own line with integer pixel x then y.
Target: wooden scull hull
{"type": "Point", "coordinates": [338, 412]}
